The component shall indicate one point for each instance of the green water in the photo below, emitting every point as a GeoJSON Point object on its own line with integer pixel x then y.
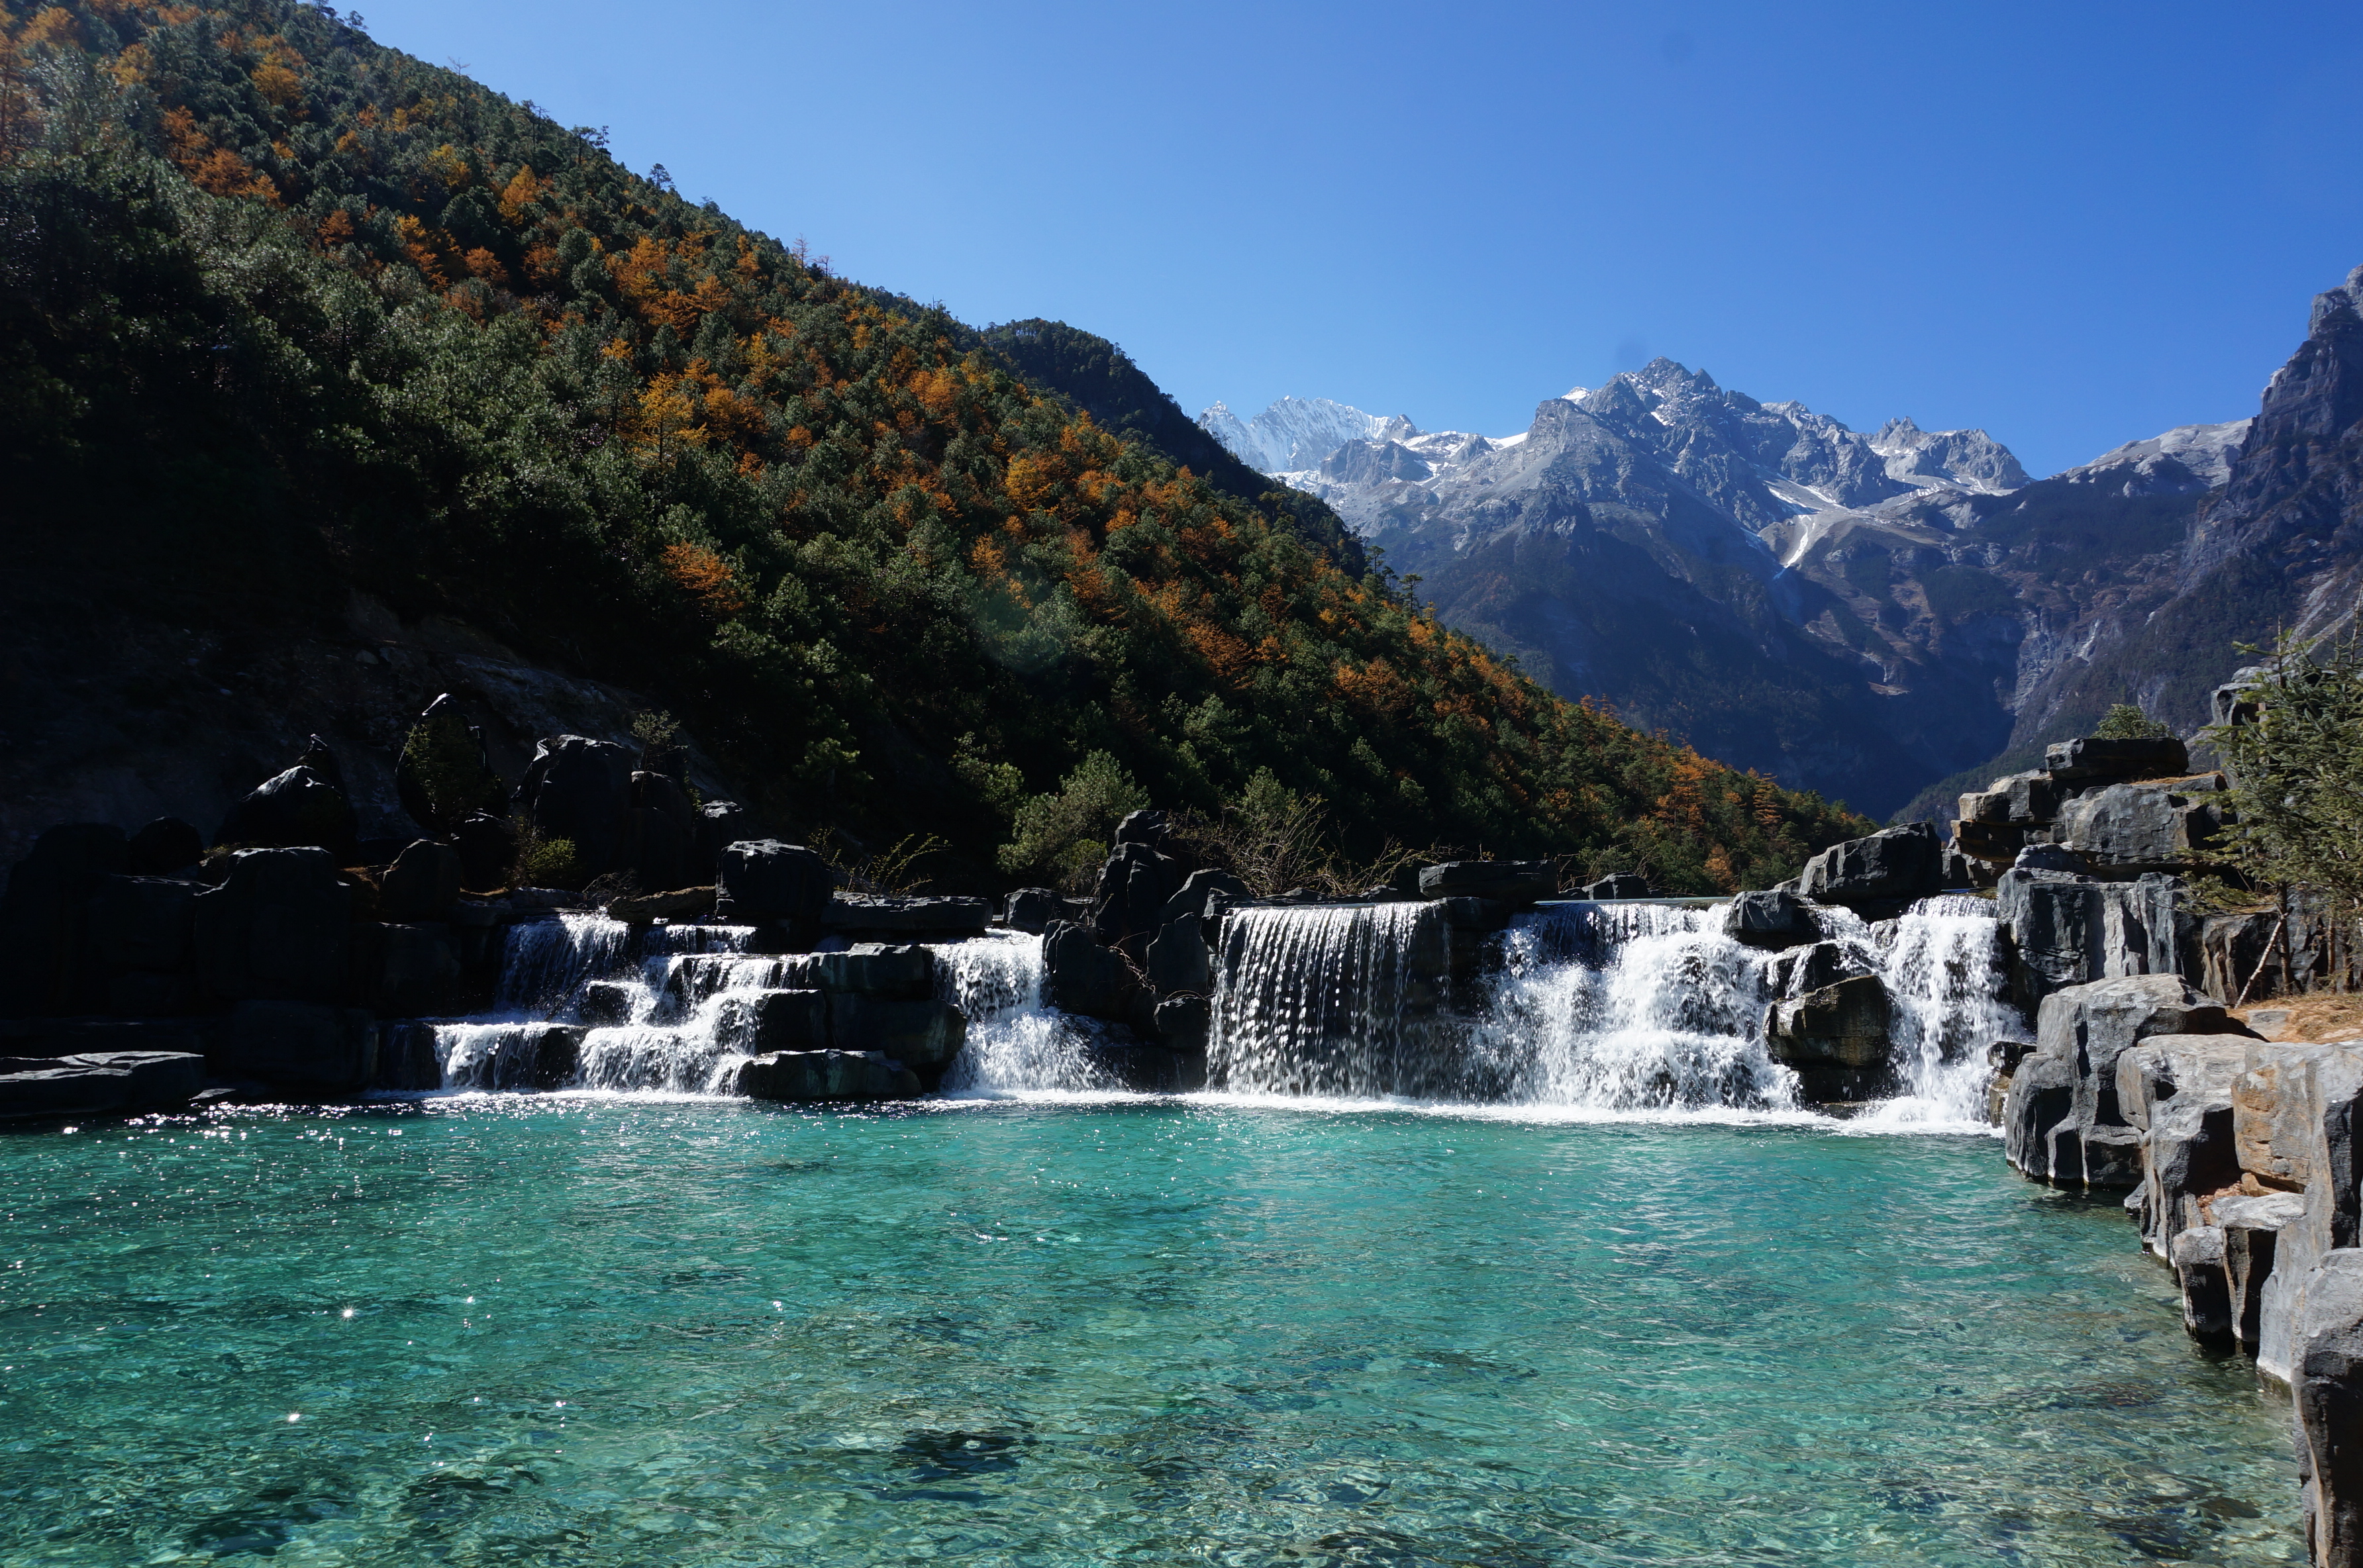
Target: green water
{"type": "Point", "coordinates": [575, 1330]}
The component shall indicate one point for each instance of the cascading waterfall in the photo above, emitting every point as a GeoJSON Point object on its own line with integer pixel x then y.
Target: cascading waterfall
{"type": "Point", "coordinates": [1016, 1039]}
{"type": "Point", "coordinates": [545, 963]}
{"type": "Point", "coordinates": [1330, 1000]}
{"type": "Point", "coordinates": [1942, 963]}
{"type": "Point", "coordinates": [1626, 1007]}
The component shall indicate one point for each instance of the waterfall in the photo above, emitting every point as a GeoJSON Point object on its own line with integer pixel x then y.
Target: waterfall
{"type": "Point", "coordinates": [1330, 1000]}
{"type": "Point", "coordinates": [545, 963]}
{"type": "Point", "coordinates": [1943, 963]}
{"type": "Point", "coordinates": [1016, 1040]}
{"type": "Point", "coordinates": [1627, 1007]}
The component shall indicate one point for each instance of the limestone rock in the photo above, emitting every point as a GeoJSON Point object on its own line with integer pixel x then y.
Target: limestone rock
{"type": "Point", "coordinates": [784, 1020]}
{"type": "Point", "coordinates": [1767, 919]}
{"type": "Point", "coordinates": [1135, 885]}
{"type": "Point", "coordinates": [2197, 1257]}
{"type": "Point", "coordinates": [97, 1082]}
{"type": "Point", "coordinates": [907, 915]}
{"type": "Point", "coordinates": [916, 1032]}
{"type": "Point", "coordinates": [867, 968]}
{"type": "Point", "coordinates": [2252, 1228]}
{"type": "Point", "coordinates": [763, 879]}
{"type": "Point", "coordinates": [279, 927]}
{"type": "Point", "coordinates": [298, 809]}
{"type": "Point", "coordinates": [1898, 863]}
{"type": "Point", "coordinates": [2062, 1120]}
{"type": "Point", "coordinates": [2130, 828]}
{"type": "Point", "coordinates": [1511, 882]}
{"type": "Point", "coordinates": [1032, 908]}
{"type": "Point", "coordinates": [423, 883]}
{"type": "Point", "coordinates": [2069, 930]}
{"type": "Point", "coordinates": [1179, 961]}
{"type": "Point", "coordinates": [1835, 1038]}
{"type": "Point", "coordinates": [579, 789]}
{"type": "Point", "coordinates": [1084, 976]}
{"type": "Point", "coordinates": [2176, 1090]}
{"type": "Point", "coordinates": [2090, 759]}
{"type": "Point", "coordinates": [825, 1076]}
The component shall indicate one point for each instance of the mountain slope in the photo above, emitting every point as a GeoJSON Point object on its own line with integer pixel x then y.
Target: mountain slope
{"type": "Point", "coordinates": [317, 353]}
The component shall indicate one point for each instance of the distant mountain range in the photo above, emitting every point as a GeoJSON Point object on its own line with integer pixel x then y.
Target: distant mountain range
{"type": "Point", "coordinates": [1880, 617]}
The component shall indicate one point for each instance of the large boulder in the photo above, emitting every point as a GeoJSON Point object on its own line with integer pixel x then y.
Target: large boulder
{"type": "Point", "coordinates": [1032, 909]}
{"type": "Point", "coordinates": [280, 926]}
{"type": "Point", "coordinates": [2327, 1392]}
{"type": "Point", "coordinates": [139, 922]}
{"type": "Point", "coordinates": [1617, 885]}
{"type": "Point", "coordinates": [423, 883]}
{"type": "Point", "coordinates": [1769, 920]}
{"type": "Point", "coordinates": [408, 970]}
{"type": "Point", "coordinates": [1179, 961]}
{"type": "Point", "coordinates": [1504, 881]}
{"type": "Point", "coordinates": [662, 833]}
{"type": "Point", "coordinates": [2062, 1120]}
{"type": "Point", "coordinates": [825, 1076]}
{"type": "Point", "coordinates": [919, 1032]}
{"type": "Point", "coordinates": [1135, 884]}
{"type": "Point", "coordinates": [2090, 759]}
{"type": "Point", "coordinates": [297, 808]}
{"type": "Point", "coordinates": [1898, 864]}
{"type": "Point", "coordinates": [763, 879]}
{"type": "Point", "coordinates": [789, 1020]}
{"type": "Point", "coordinates": [2069, 930]}
{"type": "Point", "coordinates": [303, 1046]}
{"type": "Point", "coordinates": [165, 846]}
{"type": "Point", "coordinates": [443, 776]}
{"type": "Point", "coordinates": [1203, 893]}
{"type": "Point", "coordinates": [1835, 1038]}
{"type": "Point", "coordinates": [1084, 976]}
{"type": "Point", "coordinates": [2252, 1228]}
{"type": "Point", "coordinates": [720, 823]}
{"type": "Point", "coordinates": [2176, 1091]}
{"type": "Point", "coordinates": [867, 968]}
{"type": "Point", "coordinates": [2127, 829]}
{"type": "Point", "coordinates": [581, 791]}
{"type": "Point", "coordinates": [41, 911]}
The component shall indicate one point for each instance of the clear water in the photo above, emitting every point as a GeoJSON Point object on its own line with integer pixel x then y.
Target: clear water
{"type": "Point", "coordinates": [606, 1331]}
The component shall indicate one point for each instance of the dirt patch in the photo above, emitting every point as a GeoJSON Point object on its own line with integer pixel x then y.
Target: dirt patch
{"type": "Point", "coordinates": [2305, 1020]}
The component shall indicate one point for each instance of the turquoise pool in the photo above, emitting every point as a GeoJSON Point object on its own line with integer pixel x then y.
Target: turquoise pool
{"type": "Point", "coordinates": [588, 1330]}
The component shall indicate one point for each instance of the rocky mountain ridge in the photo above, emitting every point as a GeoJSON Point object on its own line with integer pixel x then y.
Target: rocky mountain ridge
{"type": "Point", "coordinates": [1889, 617]}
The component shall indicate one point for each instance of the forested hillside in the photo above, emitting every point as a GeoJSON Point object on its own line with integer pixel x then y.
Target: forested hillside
{"type": "Point", "coordinates": [284, 314]}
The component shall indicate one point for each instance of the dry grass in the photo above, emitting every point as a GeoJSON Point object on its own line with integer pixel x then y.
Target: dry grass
{"type": "Point", "coordinates": [2307, 1019]}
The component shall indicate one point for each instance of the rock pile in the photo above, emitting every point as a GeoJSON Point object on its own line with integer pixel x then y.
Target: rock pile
{"type": "Point", "coordinates": [2122, 807]}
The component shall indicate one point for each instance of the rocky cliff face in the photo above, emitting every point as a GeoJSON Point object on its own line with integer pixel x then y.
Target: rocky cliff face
{"type": "Point", "coordinates": [1889, 618]}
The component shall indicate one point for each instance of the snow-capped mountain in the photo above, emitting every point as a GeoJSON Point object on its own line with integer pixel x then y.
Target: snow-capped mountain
{"type": "Point", "coordinates": [2186, 460]}
{"type": "Point", "coordinates": [1292, 434]}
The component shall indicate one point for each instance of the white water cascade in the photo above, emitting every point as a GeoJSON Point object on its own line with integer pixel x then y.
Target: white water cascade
{"type": "Point", "coordinates": [1614, 1007]}
{"type": "Point", "coordinates": [1016, 1039]}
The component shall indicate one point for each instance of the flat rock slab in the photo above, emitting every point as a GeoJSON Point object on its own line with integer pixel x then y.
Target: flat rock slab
{"type": "Point", "coordinates": [98, 1082]}
{"type": "Point", "coordinates": [883, 913]}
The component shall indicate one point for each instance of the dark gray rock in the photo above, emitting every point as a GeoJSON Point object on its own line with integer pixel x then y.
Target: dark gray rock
{"type": "Point", "coordinates": [918, 1032]}
{"type": "Point", "coordinates": [2197, 1257]}
{"type": "Point", "coordinates": [908, 915]}
{"type": "Point", "coordinates": [2326, 1390]}
{"type": "Point", "coordinates": [164, 846]}
{"type": "Point", "coordinates": [2062, 1120]}
{"type": "Point", "coordinates": [2051, 857]}
{"type": "Point", "coordinates": [280, 927]}
{"type": "Point", "coordinates": [1032, 908]}
{"type": "Point", "coordinates": [2176, 1091]}
{"type": "Point", "coordinates": [1769, 920]}
{"type": "Point", "coordinates": [1135, 885]}
{"type": "Point", "coordinates": [2252, 1228]}
{"type": "Point", "coordinates": [40, 913]}
{"type": "Point", "coordinates": [96, 1083]}
{"type": "Point", "coordinates": [2235, 702]}
{"type": "Point", "coordinates": [1084, 976]}
{"type": "Point", "coordinates": [1181, 1024]}
{"type": "Point", "coordinates": [1617, 885]}
{"type": "Point", "coordinates": [1179, 963]}
{"type": "Point", "coordinates": [606, 1002]}
{"type": "Point", "coordinates": [784, 1020]}
{"type": "Point", "coordinates": [877, 969]}
{"type": "Point", "coordinates": [719, 824]}
{"type": "Point", "coordinates": [297, 809]}
{"type": "Point", "coordinates": [304, 1047]}
{"type": "Point", "coordinates": [1898, 863]}
{"type": "Point", "coordinates": [655, 851]}
{"type": "Point", "coordinates": [763, 879]}
{"type": "Point", "coordinates": [579, 789]}
{"type": "Point", "coordinates": [1835, 1038]}
{"type": "Point", "coordinates": [1145, 827]}
{"type": "Point", "coordinates": [487, 844]}
{"type": "Point", "coordinates": [1203, 891]}
{"type": "Point", "coordinates": [408, 970]}
{"type": "Point", "coordinates": [1513, 882]}
{"type": "Point", "coordinates": [810, 1076]}
{"type": "Point", "coordinates": [140, 922]}
{"type": "Point", "coordinates": [2126, 828]}
{"type": "Point", "coordinates": [1807, 969]}
{"type": "Point", "coordinates": [2068, 929]}
{"type": "Point", "coordinates": [406, 1058]}
{"type": "Point", "coordinates": [2090, 761]}
{"type": "Point", "coordinates": [423, 883]}
{"type": "Point", "coordinates": [443, 776]}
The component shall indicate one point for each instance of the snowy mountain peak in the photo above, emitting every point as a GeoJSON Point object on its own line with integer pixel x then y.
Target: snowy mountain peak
{"type": "Point", "coordinates": [1294, 434]}
{"type": "Point", "coordinates": [2185, 460]}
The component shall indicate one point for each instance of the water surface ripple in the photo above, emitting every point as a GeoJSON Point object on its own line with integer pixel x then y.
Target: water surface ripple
{"type": "Point", "coordinates": [606, 1331]}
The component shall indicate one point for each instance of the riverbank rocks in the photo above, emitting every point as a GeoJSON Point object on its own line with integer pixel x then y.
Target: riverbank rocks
{"type": "Point", "coordinates": [1769, 920]}
{"type": "Point", "coordinates": [423, 883]}
{"type": "Point", "coordinates": [763, 879]}
{"type": "Point", "coordinates": [1135, 885]}
{"type": "Point", "coordinates": [297, 809]}
{"type": "Point", "coordinates": [97, 1082]}
{"type": "Point", "coordinates": [822, 1076]}
{"type": "Point", "coordinates": [1085, 978]}
{"type": "Point", "coordinates": [280, 927]}
{"type": "Point", "coordinates": [1513, 882]}
{"type": "Point", "coordinates": [2123, 830]}
{"type": "Point", "coordinates": [1890, 867]}
{"type": "Point", "coordinates": [1835, 1038]}
{"type": "Point", "coordinates": [304, 1047]}
{"type": "Point", "coordinates": [2069, 930]}
{"type": "Point", "coordinates": [2175, 1090]}
{"type": "Point", "coordinates": [2062, 1121]}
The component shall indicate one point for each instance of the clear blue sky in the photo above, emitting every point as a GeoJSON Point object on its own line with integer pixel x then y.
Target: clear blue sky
{"type": "Point", "coordinates": [2072, 224]}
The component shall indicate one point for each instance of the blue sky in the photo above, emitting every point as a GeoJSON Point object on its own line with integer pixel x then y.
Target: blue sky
{"type": "Point", "coordinates": [2072, 223]}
